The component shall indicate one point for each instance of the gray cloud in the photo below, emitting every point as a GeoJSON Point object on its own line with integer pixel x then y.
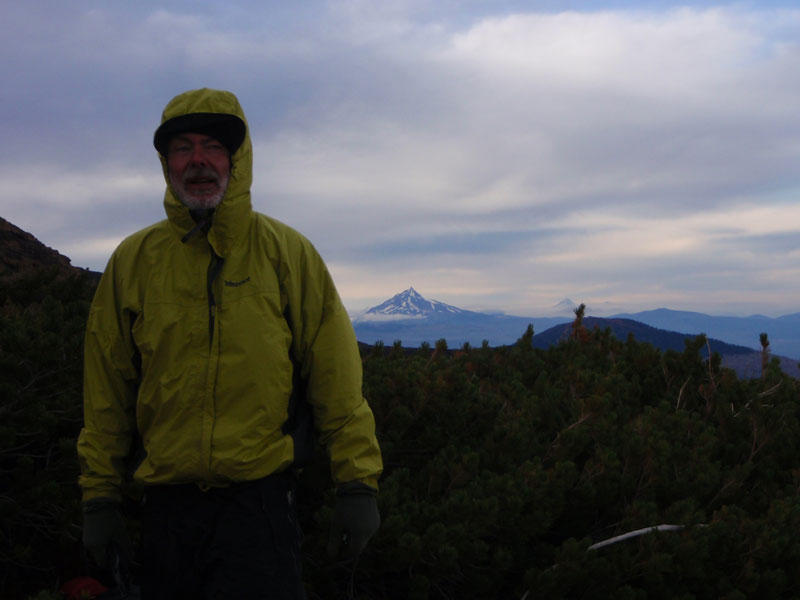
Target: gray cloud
{"type": "Point", "coordinates": [490, 154]}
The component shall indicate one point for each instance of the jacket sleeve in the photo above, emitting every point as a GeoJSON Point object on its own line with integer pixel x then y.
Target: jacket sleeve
{"type": "Point", "coordinates": [109, 392]}
{"type": "Point", "coordinates": [326, 348]}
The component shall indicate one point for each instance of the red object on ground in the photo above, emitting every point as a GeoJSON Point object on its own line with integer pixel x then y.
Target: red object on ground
{"type": "Point", "coordinates": [83, 588]}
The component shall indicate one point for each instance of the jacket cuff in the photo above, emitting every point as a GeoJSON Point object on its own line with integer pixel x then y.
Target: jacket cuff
{"type": "Point", "coordinates": [88, 494]}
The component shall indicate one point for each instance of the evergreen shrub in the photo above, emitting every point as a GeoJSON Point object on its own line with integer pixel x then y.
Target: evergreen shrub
{"type": "Point", "coordinates": [503, 467]}
{"type": "Point", "coordinates": [42, 319]}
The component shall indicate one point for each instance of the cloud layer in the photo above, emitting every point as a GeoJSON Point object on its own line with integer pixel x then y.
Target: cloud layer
{"type": "Point", "coordinates": [501, 156]}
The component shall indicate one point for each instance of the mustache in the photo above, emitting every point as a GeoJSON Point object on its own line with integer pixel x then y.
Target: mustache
{"type": "Point", "coordinates": [200, 173]}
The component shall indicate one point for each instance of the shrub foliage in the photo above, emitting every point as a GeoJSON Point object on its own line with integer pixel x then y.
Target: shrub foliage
{"type": "Point", "coordinates": [503, 466]}
{"type": "Point", "coordinates": [42, 320]}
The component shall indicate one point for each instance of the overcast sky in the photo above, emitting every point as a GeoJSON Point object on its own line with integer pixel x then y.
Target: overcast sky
{"type": "Point", "coordinates": [495, 155]}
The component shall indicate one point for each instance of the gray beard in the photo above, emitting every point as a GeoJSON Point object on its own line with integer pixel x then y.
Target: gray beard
{"type": "Point", "coordinates": [199, 202]}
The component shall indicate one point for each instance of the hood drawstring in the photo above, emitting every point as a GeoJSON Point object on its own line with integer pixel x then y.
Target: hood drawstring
{"type": "Point", "coordinates": [202, 219]}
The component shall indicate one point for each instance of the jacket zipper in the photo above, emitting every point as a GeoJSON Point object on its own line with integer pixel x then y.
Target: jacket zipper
{"type": "Point", "coordinates": [202, 220]}
{"type": "Point", "coordinates": [214, 269]}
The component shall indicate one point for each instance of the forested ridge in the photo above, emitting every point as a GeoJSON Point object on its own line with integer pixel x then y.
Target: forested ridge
{"type": "Point", "coordinates": [504, 466]}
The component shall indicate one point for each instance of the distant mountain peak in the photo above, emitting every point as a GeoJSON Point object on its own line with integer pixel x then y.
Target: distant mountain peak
{"type": "Point", "coordinates": [564, 307]}
{"type": "Point", "coordinates": [410, 303]}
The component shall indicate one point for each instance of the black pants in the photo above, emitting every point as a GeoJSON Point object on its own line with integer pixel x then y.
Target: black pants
{"type": "Point", "coordinates": [239, 542]}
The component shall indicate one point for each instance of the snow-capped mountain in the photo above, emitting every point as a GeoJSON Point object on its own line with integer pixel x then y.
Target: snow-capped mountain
{"type": "Point", "coordinates": [566, 307]}
{"type": "Point", "coordinates": [411, 318]}
{"type": "Point", "coordinates": [410, 303]}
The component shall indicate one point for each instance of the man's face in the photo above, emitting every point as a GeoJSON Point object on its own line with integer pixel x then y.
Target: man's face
{"type": "Point", "coordinates": [199, 168]}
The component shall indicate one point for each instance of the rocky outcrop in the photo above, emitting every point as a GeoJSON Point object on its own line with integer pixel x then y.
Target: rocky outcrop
{"type": "Point", "coordinates": [20, 251]}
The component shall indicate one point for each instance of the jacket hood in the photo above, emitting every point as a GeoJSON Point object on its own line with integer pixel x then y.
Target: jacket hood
{"type": "Point", "coordinates": [235, 208]}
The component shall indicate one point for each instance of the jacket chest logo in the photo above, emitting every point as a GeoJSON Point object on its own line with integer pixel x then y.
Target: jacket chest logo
{"type": "Point", "coordinates": [236, 283]}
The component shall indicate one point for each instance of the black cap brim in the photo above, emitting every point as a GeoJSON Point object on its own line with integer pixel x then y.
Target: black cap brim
{"type": "Point", "coordinates": [229, 130]}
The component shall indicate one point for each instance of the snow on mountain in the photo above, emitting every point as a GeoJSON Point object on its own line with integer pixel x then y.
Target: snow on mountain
{"type": "Point", "coordinates": [411, 318]}
{"type": "Point", "coordinates": [565, 307]}
{"type": "Point", "coordinates": [409, 304]}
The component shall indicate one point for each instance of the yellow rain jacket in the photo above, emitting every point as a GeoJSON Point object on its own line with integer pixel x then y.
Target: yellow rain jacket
{"type": "Point", "coordinates": [195, 347]}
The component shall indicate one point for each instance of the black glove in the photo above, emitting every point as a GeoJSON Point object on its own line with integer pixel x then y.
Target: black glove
{"type": "Point", "coordinates": [104, 528]}
{"type": "Point", "coordinates": [355, 520]}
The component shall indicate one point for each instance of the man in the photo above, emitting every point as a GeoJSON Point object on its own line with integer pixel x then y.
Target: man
{"type": "Point", "coordinates": [215, 343]}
